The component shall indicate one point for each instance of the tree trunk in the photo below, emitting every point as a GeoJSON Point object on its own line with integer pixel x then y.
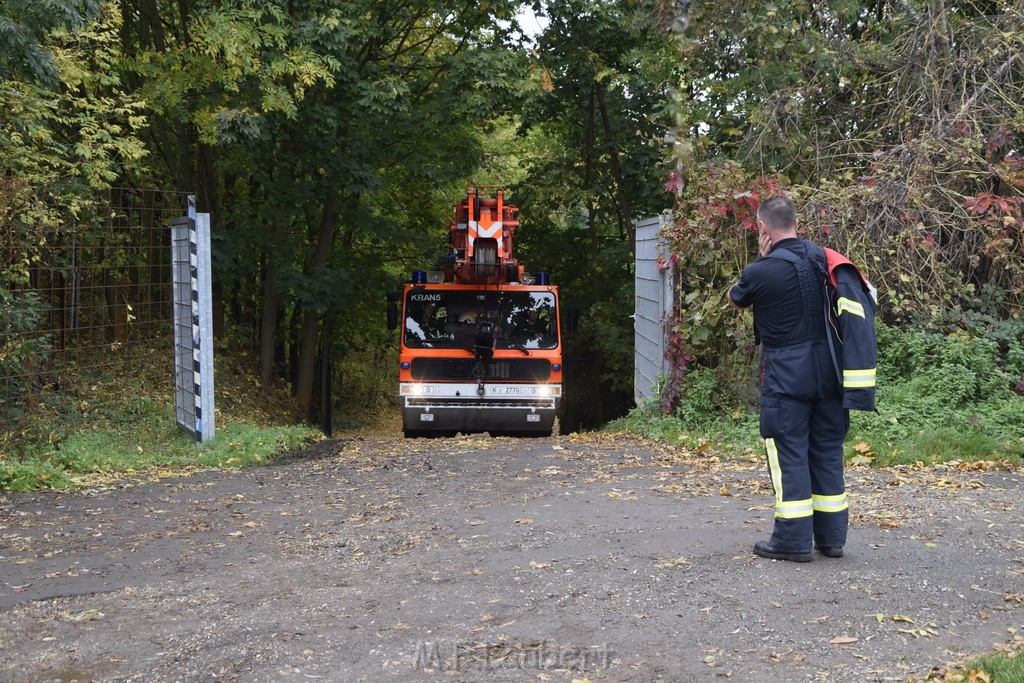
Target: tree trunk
{"type": "Point", "coordinates": [620, 186]}
{"type": "Point", "coordinates": [588, 176]}
{"type": "Point", "coordinates": [268, 325]}
{"type": "Point", "coordinates": [310, 315]}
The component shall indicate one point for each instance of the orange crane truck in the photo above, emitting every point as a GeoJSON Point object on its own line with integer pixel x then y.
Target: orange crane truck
{"type": "Point", "coordinates": [480, 349]}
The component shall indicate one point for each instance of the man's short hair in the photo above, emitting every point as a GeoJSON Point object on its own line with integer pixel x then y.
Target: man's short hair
{"type": "Point", "coordinates": [777, 213]}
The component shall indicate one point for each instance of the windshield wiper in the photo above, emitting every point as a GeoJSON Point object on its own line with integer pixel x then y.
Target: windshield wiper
{"type": "Point", "coordinates": [518, 346]}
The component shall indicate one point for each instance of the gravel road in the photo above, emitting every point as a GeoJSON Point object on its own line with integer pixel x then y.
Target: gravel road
{"type": "Point", "coordinates": [473, 559]}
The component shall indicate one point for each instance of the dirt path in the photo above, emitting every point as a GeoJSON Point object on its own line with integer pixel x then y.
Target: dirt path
{"type": "Point", "coordinates": [501, 560]}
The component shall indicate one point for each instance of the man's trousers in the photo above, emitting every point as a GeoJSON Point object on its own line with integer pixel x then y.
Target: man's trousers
{"type": "Point", "coordinates": [804, 442]}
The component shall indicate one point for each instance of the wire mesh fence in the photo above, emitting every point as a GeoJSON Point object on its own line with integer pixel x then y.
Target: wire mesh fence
{"type": "Point", "coordinates": [85, 289]}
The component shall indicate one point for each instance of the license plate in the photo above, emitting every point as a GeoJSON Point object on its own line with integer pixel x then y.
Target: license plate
{"type": "Point", "coordinates": [504, 391]}
{"type": "Point", "coordinates": [426, 417]}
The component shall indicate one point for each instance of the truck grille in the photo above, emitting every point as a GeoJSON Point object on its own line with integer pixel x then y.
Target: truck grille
{"type": "Point", "coordinates": [461, 369]}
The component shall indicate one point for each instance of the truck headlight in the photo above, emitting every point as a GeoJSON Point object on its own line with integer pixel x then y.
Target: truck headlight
{"type": "Point", "coordinates": [412, 390]}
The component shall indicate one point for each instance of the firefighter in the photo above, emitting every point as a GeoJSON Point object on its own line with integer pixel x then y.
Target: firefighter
{"type": "Point", "coordinates": [803, 420]}
{"type": "Point", "coordinates": [534, 326]}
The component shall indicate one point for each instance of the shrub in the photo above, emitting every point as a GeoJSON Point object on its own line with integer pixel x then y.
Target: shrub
{"type": "Point", "coordinates": [23, 350]}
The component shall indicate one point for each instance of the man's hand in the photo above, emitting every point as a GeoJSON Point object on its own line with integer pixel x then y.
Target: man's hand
{"type": "Point", "coordinates": [764, 243]}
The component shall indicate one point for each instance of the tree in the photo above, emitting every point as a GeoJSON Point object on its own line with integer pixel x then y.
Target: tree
{"type": "Point", "coordinates": [24, 25]}
{"type": "Point", "coordinates": [896, 126]}
{"type": "Point", "coordinates": [315, 112]}
{"type": "Point", "coordinates": [596, 167]}
{"type": "Point", "coordinates": [70, 129]}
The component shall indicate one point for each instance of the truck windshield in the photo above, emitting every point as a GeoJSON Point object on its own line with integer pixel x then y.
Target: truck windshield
{"type": "Point", "coordinates": [445, 319]}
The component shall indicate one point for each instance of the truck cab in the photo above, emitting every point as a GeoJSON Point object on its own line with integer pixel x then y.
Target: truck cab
{"type": "Point", "coordinates": [481, 347]}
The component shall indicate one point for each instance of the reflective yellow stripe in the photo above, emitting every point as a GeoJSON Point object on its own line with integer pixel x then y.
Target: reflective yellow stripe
{"type": "Point", "coordinates": [829, 503]}
{"type": "Point", "coordinates": [784, 509]}
{"type": "Point", "coordinates": [857, 379]}
{"type": "Point", "coordinates": [850, 306]}
{"type": "Point", "coordinates": [793, 509]}
{"type": "Point", "coordinates": [774, 469]}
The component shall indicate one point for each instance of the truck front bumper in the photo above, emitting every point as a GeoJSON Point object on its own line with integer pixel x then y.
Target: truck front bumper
{"type": "Point", "coordinates": [501, 407]}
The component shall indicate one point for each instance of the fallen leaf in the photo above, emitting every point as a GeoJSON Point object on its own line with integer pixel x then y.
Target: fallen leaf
{"type": "Point", "coordinates": [678, 562]}
{"type": "Point", "coordinates": [526, 520]}
{"type": "Point", "coordinates": [843, 640]}
{"type": "Point", "coordinates": [88, 615]}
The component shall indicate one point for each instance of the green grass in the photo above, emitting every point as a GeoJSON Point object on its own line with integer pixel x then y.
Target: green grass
{"type": "Point", "coordinates": [151, 444]}
{"type": "Point", "coordinates": [873, 438]}
{"type": "Point", "coordinates": [995, 667]}
{"type": "Point", "coordinates": [729, 434]}
{"type": "Point", "coordinates": [941, 399]}
{"type": "Point", "coordinates": [1000, 668]}
{"type": "Point", "coordinates": [123, 425]}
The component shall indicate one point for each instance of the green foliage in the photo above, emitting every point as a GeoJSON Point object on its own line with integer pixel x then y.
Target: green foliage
{"type": "Point", "coordinates": [22, 349]}
{"type": "Point", "coordinates": [23, 25]}
{"type": "Point", "coordinates": [240, 64]}
{"type": "Point", "coordinates": [340, 130]}
{"type": "Point", "coordinates": [84, 128]}
{"type": "Point", "coordinates": [592, 120]}
{"type": "Point", "coordinates": [702, 416]}
{"type": "Point", "coordinates": [899, 150]}
{"type": "Point", "coordinates": [942, 398]}
{"type": "Point", "coordinates": [1001, 667]}
{"type": "Point", "coordinates": [1004, 665]}
{"type": "Point", "coordinates": [712, 239]}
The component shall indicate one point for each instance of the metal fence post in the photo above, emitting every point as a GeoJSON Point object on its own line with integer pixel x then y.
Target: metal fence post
{"type": "Point", "coordinates": [193, 324]}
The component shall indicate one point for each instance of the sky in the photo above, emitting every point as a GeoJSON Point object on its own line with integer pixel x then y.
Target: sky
{"type": "Point", "coordinates": [531, 23]}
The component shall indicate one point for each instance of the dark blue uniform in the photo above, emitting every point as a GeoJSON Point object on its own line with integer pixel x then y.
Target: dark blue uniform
{"type": "Point", "coordinates": [803, 421]}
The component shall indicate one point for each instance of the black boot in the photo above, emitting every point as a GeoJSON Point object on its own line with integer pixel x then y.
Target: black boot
{"type": "Point", "coordinates": [766, 549]}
